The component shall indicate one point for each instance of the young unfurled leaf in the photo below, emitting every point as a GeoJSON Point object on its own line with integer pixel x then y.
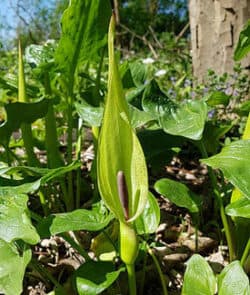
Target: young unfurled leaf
{"type": "Point", "coordinates": [119, 148]}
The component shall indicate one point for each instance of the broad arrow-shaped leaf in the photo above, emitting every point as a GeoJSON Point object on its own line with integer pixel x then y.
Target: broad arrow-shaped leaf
{"type": "Point", "coordinates": [119, 149]}
{"type": "Point", "coordinates": [234, 162]}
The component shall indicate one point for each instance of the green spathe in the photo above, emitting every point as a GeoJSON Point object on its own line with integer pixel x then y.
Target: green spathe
{"type": "Point", "coordinates": [119, 148]}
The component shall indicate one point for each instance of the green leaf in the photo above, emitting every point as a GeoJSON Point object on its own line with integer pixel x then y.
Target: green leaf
{"type": "Point", "coordinates": [234, 162]}
{"type": "Point", "coordinates": [138, 117]}
{"type": "Point", "coordinates": [84, 32]}
{"type": "Point", "coordinates": [18, 113]}
{"type": "Point", "coordinates": [119, 148]}
{"type": "Point", "coordinates": [199, 278]}
{"type": "Point", "coordinates": [158, 146]}
{"type": "Point", "coordinates": [233, 280]}
{"type": "Point", "coordinates": [94, 277]}
{"type": "Point", "coordinates": [187, 119]}
{"type": "Point", "coordinates": [89, 114]}
{"type": "Point", "coordinates": [80, 219]}
{"type": "Point", "coordinates": [218, 98]}
{"type": "Point", "coordinates": [240, 208]}
{"type": "Point", "coordinates": [179, 194]}
{"type": "Point", "coordinates": [12, 268]}
{"type": "Point", "coordinates": [148, 221]}
{"type": "Point", "coordinates": [243, 46]}
{"type": "Point", "coordinates": [15, 222]}
{"type": "Point", "coordinates": [212, 134]}
{"type": "Point", "coordinates": [44, 175]}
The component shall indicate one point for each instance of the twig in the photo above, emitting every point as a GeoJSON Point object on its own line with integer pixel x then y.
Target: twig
{"type": "Point", "coordinates": [142, 38]}
{"type": "Point", "coordinates": [155, 37]}
{"type": "Point", "coordinates": [182, 32]}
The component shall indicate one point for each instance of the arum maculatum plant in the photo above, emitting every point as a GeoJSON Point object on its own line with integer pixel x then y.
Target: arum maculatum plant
{"type": "Point", "coordinates": [121, 167]}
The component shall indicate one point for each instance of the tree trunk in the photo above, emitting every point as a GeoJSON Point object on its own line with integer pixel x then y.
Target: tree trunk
{"type": "Point", "coordinates": [215, 27]}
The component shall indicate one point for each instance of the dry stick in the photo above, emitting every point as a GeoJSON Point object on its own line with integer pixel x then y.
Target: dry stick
{"type": "Point", "coordinates": [155, 37]}
{"type": "Point", "coordinates": [143, 38]}
{"type": "Point", "coordinates": [182, 32]}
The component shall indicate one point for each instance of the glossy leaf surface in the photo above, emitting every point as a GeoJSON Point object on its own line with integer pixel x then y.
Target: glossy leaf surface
{"type": "Point", "coordinates": [148, 221]}
{"type": "Point", "coordinates": [15, 222]}
{"type": "Point", "coordinates": [94, 277]}
{"type": "Point", "coordinates": [187, 119]}
{"type": "Point", "coordinates": [119, 148]}
{"type": "Point", "coordinates": [178, 193]}
{"type": "Point", "coordinates": [84, 28]}
{"type": "Point", "coordinates": [233, 280]}
{"type": "Point", "coordinates": [41, 175]}
{"type": "Point", "coordinates": [234, 161]}
{"type": "Point", "coordinates": [12, 268]}
{"type": "Point", "coordinates": [80, 219]}
{"type": "Point", "coordinates": [243, 46]}
{"type": "Point", "coordinates": [199, 278]}
{"type": "Point", "coordinates": [240, 208]}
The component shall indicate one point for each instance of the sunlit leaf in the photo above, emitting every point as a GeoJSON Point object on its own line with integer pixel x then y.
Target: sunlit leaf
{"type": "Point", "coordinates": [13, 265]}
{"type": "Point", "coordinates": [42, 175]}
{"type": "Point", "coordinates": [148, 221]}
{"type": "Point", "coordinates": [243, 46]}
{"type": "Point", "coordinates": [15, 222]}
{"type": "Point", "coordinates": [240, 208]}
{"type": "Point", "coordinates": [185, 119]}
{"type": "Point", "coordinates": [179, 194]}
{"type": "Point", "coordinates": [233, 280]}
{"type": "Point", "coordinates": [199, 278]}
{"type": "Point", "coordinates": [80, 219]}
{"type": "Point", "coordinates": [94, 277]}
{"type": "Point", "coordinates": [119, 148]}
{"type": "Point", "coordinates": [234, 161]}
{"type": "Point", "coordinates": [84, 32]}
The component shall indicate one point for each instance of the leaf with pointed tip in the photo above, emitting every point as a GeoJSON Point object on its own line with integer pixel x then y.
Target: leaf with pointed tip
{"type": "Point", "coordinates": [84, 28]}
{"type": "Point", "coordinates": [12, 268]}
{"type": "Point", "coordinates": [186, 119]}
{"type": "Point", "coordinates": [199, 277]}
{"type": "Point", "coordinates": [243, 46]}
{"type": "Point", "coordinates": [234, 162]}
{"type": "Point", "coordinates": [233, 280]}
{"type": "Point", "coordinates": [179, 194]}
{"type": "Point", "coordinates": [119, 148]}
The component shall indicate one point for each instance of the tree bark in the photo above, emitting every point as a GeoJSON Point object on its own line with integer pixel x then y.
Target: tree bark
{"type": "Point", "coordinates": [215, 27]}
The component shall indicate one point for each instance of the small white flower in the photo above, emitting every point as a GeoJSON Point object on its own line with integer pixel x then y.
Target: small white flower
{"type": "Point", "coordinates": [160, 73]}
{"type": "Point", "coordinates": [148, 60]}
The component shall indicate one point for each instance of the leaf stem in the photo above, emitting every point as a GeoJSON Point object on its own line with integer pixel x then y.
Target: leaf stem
{"type": "Point", "coordinates": [43, 271]}
{"type": "Point", "coordinates": [225, 222]}
{"type": "Point", "coordinates": [131, 278]}
{"type": "Point", "coordinates": [245, 253]}
{"type": "Point", "coordinates": [162, 279]}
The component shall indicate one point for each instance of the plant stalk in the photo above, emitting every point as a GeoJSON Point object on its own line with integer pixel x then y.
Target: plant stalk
{"type": "Point", "coordinates": [163, 282]}
{"type": "Point", "coordinates": [245, 253]}
{"type": "Point", "coordinates": [225, 222]}
{"type": "Point", "coordinates": [131, 278]}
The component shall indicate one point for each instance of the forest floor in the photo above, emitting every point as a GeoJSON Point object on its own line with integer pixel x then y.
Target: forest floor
{"type": "Point", "coordinates": [175, 240]}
